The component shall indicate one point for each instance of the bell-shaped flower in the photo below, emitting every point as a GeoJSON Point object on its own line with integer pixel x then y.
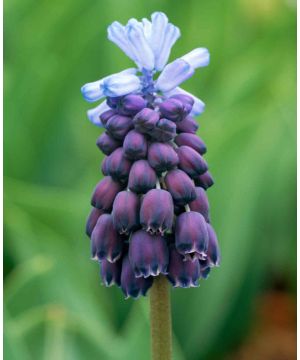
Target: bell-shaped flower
{"type": "Point", "coordinates": [111, 272]}
{"type": "Point", "coordinates": [107, 144]}
{"type": "Point", "coordinates": [165, 130]}
{"type": "Point", "coordinates": [162, 156]}
{"type": "Point", "coordinates": [198, 106]}
{"type": "Point", "coordinates": [92, 220]}
{"type": "Point", "coordinates": [183, 272]}
{"type": "Point", "coordinates": [181, 187]}
{"type": "Point", "coordinates": [142, 177]}
{"type": "Point", "coordinates": [125, 212]}
{"type": "Point", "coordinates": [156, 214]}
{"type": "Point", "coordinates": [191, 162]}
{"type": "Point", "coordinates": [174, 109]}
{"type": "Point", "coordinates": [191, 140]}
{"type": "Point", "coordinates": [146, 120]}
{"type": "Point", "coordinates": [117, 165]}
{"type": "Point", "coordinates": [130, 284]}
{"type": "Point", "coordinates": [135, 145]}
{"type": "Point", "coordinates": [200, 204]}
{"type": "Point", "coordinates": [148, 254]}
{"type": "Point", "coordinates": [118, 126]}
{"type": "Point", "coordinates": [104, 166]}
{"type": "Point", "coordinates": [106, 243]}
{"type": "Point", "coordinates": [131, 104]}
{"type": "Point", "coordinates": [205, 180]}
{"type": "Point", "coordinates": [188, 125]}
{"type": "Point", "coordinates": [105, 193]}
{"type": "Point", "coordinates": [191, 234]}
{"type": "Point", "coordinates": [106, 115]}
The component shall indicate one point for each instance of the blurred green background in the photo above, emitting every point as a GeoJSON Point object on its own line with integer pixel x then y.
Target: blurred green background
{"type": "Point", "coordinates": [55, 305]}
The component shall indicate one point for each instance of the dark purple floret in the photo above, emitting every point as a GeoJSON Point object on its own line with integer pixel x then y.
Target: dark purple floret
{"type": "Point", "coordinates": [162, 156]}
{"type": "Point", "coordinates": [106, 243]}
{"type": "Point", "coordinates": [117, 165]}
{"type": "Point", "coordinates": [105, 193]}
{"type": "Point", "coordinates": [141, 177]}
{"type": "Point", "coordinates": [191, 140]}
{"type": "Point", "coordinates": [106, 115]}
{"type": "Point", "coordinates": [185, 99]}
{"type": "Point", "coordinates": [188, 125]}
{"type": "Point", "coordinates": [118, 126]}
{"type": "Point", "coordinates": [111, 272]}
{"type": "Point", "coordinates": [180, 186]}
{"type": "Point", "coordinates": [92, 220]}
{"type": "Point", "coordinates": [104, 166]}
{"type": "Point", "coordinates": [165, 130]}
{"type": "Point", "coordinates": [191, 234]}
{"type": "Point", "coordinates": [125, 212]}
{"type": "Point", "coordinates": [205, 180]}
{"type": "Point", "coordinates": [200, 204]}
{"type": "Point", "coordinates": [146, 120]}
{"type": "Point", "coordinates": [135, 145]}
{"type": "Point", "coordinates": [213, 251]}
{"type": "Point", "coordinates": [113, 102]}
{"type": "Point", "coordinates": [191, 162]}
{"type": "Point", "coordinates": [156, 214]}
{"type": "Point", "coordinates": [131, 285]}
{"type": "Point", "coordinates": [131, 104]}
{"type": "Point", "coordinates": [107, 144]}
{"type": "Point", "coordinates": [174, 109]}
{"type": "Point", "coordinates": [183, 272]}
{"type": "Point", "coordinates": [148, 254]}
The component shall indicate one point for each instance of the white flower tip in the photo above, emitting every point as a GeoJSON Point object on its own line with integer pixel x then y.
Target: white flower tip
{"type": "Point", "coordinates": [174, 74]}
{"type": "Point", "coordinates": [91, 91]}
{"type": "Point", "coordinates": [94, 114]}
{"type": "Point", "coordinates": [197, 58]}
{"type": "Point", "coordinates": [159, 16]}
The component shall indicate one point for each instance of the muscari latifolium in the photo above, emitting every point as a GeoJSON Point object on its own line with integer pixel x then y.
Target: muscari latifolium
{"type": "Point", "coordinates": [150, 212]}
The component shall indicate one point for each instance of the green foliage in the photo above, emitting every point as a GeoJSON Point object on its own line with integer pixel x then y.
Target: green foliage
{"type": "Point", "coordinates": [55, 307]}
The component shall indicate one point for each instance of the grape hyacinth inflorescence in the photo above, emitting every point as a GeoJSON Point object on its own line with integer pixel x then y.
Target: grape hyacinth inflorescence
{"type": "Point", "coordinates": [150, 212]}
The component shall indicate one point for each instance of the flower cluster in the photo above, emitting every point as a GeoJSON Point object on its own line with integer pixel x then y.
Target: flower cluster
{"type": "Point", "coordinates": [150, 212]}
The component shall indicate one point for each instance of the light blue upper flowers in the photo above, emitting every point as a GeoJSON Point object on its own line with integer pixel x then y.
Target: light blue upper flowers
{"type": "Point", "coordinates": [148, 44]}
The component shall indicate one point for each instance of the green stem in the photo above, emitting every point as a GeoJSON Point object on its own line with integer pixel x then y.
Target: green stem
{"type": "Point", "coordinates": [160, 315]}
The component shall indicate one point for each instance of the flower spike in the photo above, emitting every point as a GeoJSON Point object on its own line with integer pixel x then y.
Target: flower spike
{"type": "Point", "coordinates": [151, 215]}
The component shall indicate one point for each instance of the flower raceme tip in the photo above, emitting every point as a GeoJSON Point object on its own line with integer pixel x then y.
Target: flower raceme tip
{"type": "Point", "coordinates": [148, 44]}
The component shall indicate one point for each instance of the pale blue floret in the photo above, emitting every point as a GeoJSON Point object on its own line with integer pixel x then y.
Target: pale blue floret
{"type": "Point", "coordinates": [172, 33]}
{"type": "Point", "coordinates": [197, 58]}
{"type": "Point", "coordinates": [118, 84]}
{"type": "Point", "coordinates": [139, 45]}
{"type": "Point", "coordinates": [148, 44]}
{"type": "Point", "coordinates": [117, 34]}
{"type": "Point", "coordinates": [94, 114]}
{"type": "Point", "coordinates": [147, 25]}
{"type": "Point", "coordinates": [163, 37]}
{"type": "Point", "coordinates": [174, 74]}
{"type": "Point", "coordinates": [92, 91]}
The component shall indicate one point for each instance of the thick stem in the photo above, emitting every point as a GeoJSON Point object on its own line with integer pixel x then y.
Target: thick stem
{"type": "Point", "coordinates": [160, 315]}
